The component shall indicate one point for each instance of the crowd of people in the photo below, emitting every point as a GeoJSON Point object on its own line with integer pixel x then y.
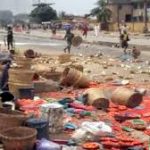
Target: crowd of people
{"type": "Point", "coordinates": [124, 38]}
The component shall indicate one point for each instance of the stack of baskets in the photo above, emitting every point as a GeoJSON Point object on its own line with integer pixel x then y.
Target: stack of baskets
{"type": "Point", "coordinates": [20, 77]}
{"type": "Point", "coordinates": [12, 135]}
{"type": "Point", "coordinates": [9, 118]}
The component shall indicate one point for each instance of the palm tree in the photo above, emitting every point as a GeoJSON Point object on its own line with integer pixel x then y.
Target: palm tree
{"type": "Point", "coordinates": [102, 13]}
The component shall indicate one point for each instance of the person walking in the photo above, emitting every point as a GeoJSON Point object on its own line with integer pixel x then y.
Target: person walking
{"type": "Point", "coordinates": [123, 28]}
{"type": "Point", "coordinates": [68, 37]}
{"type": "Point", "coordinates": [10, 38]}
{"type": "Point", "coordinates": [96, 29]}
{"type": "Point", "coordinates": [124, 38]}
{"type": "Point", "coordinates": [85, 31]}
{"type": "Point", "coordinates": [5, 76]}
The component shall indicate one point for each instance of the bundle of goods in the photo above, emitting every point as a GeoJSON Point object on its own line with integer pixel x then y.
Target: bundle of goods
{"type": "Point", "coordinates": [30, 107]}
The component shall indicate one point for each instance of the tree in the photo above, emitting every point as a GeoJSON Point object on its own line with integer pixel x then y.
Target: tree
{"type": "Point", "coordinates": [43, 12]}
{"type": "Point", "coordinates": [102, 13]}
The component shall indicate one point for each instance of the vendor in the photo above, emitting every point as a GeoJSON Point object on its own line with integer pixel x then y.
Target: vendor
{"type": "Point", "coordinates": [5, 76]}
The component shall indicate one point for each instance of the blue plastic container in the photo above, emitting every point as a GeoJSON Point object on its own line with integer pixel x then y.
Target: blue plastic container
{"type": "Point", "coordinates": [41, 126]}
{"type": "Point", "coordinates": [26, 93]}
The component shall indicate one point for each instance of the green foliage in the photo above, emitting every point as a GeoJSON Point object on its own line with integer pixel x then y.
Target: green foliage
{"type": "Point", "coordinates": [43, 12]}
{"type": "Point", "coordinates": [102, 13]}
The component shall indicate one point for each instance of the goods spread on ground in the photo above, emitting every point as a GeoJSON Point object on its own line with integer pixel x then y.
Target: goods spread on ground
{"type": "Point", "coordinates": [78, 103]}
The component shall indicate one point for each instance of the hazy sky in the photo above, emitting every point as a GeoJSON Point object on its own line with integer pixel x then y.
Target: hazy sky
{"type": "Point", "coordinates": [79, 7]}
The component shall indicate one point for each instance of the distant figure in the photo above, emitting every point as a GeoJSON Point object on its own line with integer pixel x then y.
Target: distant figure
{"type": "Point", "coordinates": [96, 29]}
{"type": "Point", "coordinates": [135, 53]}
{"type": "Point", "coordinates": [68, 37]}
{"type": "Point", "coordinates": [5, 76]}
{"type": "Point", "coordinates": [85, 31]}
{"type": "Point", "coordinates": [10, 38]}
{"type": "Point", "coordinates": [124, 28]}
{"type": "Point", "coordinates": [54, 30]}
{"type": "Point", "coordinates": [124, 38]}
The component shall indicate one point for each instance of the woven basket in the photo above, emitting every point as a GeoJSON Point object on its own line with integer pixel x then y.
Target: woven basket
{"type": "Point", "coordinates": [14, 87]}
{"type": "Point", "coordinates": [127, 97]}
{"type": "Point", "coordinates": [30, 53]}
{"type": "Point", "coordinates": [73, 77]}
{"type": "Point", "coordinates": [19, 138]}
{"type": "Point", "coordinates": [64, 58]}
{"type": "Point", "coordinates": [23, 62]}
{"type": "Point", "coordinates": [97, 98]}
{"type": "Point", "coordinates": [78, 67]}
{"type": "Point", "coordinates": [9, 118]}
{"type": "Point", "coordinates": [77, 40]}
{"type": "Point", "coordinates": [21, 76]}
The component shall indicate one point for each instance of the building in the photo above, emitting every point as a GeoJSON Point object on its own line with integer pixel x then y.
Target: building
{"type": "Point", "coordinates": [129, 11]}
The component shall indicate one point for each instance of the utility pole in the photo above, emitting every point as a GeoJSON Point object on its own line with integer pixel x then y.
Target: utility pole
{"type": "Point", "coordinates": [145, 17]}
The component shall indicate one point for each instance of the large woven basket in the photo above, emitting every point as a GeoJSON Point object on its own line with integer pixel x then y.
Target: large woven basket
{"type": "Point", "coordinates": [23, 62]}
{"type": "Point", "coordinates": [97, 98]}
{"type": "Point", "coordinates": [127, 97]}
{"type": "Point", "coordinates": [18, 138]}
{"type": "Point", "coordinates": [21, 76]}
{"type": "Point", "coordinates": [73, 77]}
{"type": "Point", "coordinates": [14, 87]}
{"type": "Point", "coordinates": [9, 118]}
{"type": "Point", "coordinates": [64, 58]}
{"type": "Point", "coordinates": [77, 40]}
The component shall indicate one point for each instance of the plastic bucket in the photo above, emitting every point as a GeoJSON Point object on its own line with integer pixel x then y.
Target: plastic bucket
{"type": "Point", "coordinates": [41, 126]}
{"type": "Point", "coordinates": [26, 93]}
{"type": "Point", "coordinates": [54, 114]}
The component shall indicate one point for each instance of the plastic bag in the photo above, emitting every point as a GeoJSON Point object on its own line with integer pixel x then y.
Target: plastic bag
{"type": "Point", "coordinates": [47, 145]}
